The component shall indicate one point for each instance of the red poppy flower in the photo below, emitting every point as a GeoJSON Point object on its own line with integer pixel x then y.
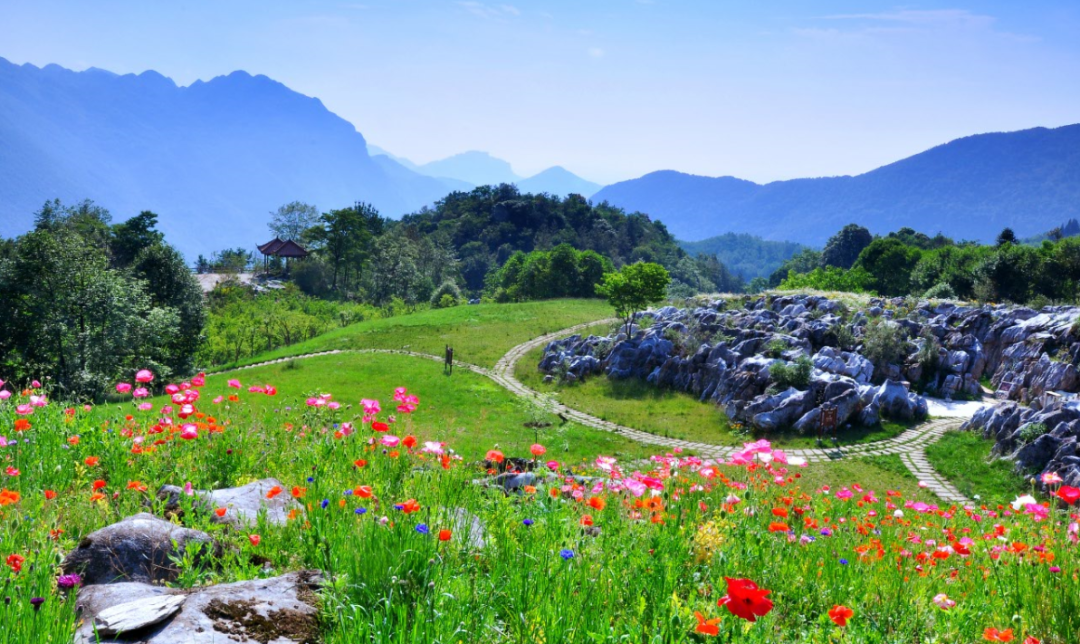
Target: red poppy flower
{"type": "Point", "coordinates": [91, 461]}
{"type": "Point", "coordinates": [299, 492]}
{"type": "Point", "coordinates": [1068, 494]}
{"type": "Point", "coordinates": [254, 539]}
{"type": "Point", "coordinates": [495, 456]}
{"type": "Point", "coordinates": [15, 562]}
{"type": "Point", "coordinates": [50, 495]}
{"type": "Point", "coordinates": [586, 521]}
{"type": "Point", "coordinates": [99, 484]}
{"type": "Point", "coordinates": [21, 425]}
{"type": "Point", "coordinates": [220, 511]}
{"type": "Point", "coordinates": [994, 635]}
{"type": "Point", "coordinates": [410, 506]}
{"type": "Point", "coordinates": [274, 491]}
{"type": "Point", "coordinates": [409, 442]}
{"type": "Point", "coordinates": [840, 614]}
{"type": "Point", "coordinates": [363, 491]}
{"type": "Point", "coordinates": [380, 427]}
{"type": "Point", "coordinates": [444, 535]}
{"type": "Point", "coordinates": [744, 599]}
{"type": "Point", "coordinates": [597, 503]}
{"type": "Point", "coordinates": [360, 463]}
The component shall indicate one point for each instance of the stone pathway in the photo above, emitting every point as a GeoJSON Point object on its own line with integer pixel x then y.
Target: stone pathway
{"type": "Point", "coordinates": [909, 445]}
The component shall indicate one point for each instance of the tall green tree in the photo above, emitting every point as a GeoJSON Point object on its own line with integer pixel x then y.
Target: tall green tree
{"type": "Point", "coordinates": [634, 288]}
{"type": "Point", "coordinates": [844, 247]}
{"type": "Point", "coordinates": [131, 237]}
{"type": "Point", "coordinates": [342, 238]}
{"type": "Point", "coordinates": [291, 220]}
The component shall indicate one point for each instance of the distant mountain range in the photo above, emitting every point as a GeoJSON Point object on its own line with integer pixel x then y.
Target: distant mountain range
{"type": "Point", "coordinates": [470, 169]}
{"type": "Point", "coordinates": [970, 188]}
{"type": "Point", "coordinates": [745, 255]}
{"type": "Point", "coordinates": [213, 159]}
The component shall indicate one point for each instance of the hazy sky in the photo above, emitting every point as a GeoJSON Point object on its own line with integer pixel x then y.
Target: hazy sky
{"type": "Point", "coordinates": [610, 89]}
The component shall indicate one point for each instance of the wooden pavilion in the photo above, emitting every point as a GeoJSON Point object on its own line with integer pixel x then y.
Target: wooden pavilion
{"type": "Point", "coordinates": [287, 249]}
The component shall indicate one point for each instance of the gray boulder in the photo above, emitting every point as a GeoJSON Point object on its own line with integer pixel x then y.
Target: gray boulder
{"type": "Point", "coordinates": [281, 610]}
{"type": "Point", "coordinates": [243, 504]}
{"type": "Point", "coordinates": [138, 549]}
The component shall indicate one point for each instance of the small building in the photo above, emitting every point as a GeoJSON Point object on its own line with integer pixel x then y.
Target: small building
{"type": "Point", "coordinates": [287, 249]}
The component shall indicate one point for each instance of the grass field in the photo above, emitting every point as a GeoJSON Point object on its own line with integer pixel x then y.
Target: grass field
{"type": "Point", "coordinates": [467, 410]}
{"type": "Point", "coordinates": [480, 334]}
{"type": "Point", "coordinates": [664, 412]}
{"type": "Point", "coordinates": [964, 458]}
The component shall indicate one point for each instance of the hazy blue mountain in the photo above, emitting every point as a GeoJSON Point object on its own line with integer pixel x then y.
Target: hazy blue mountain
{"type": "Point", "coordinates": [212, 159]}
{"type": "Point", "coordinates": [375, 150]}
{"type": "Point", "coordinates": [477, 168]}
{"type": "Point", "coordinates": [746, 255]}
{"type": "Point", "coordinates": [969, 188]}
{"type": "Point", "coordinates": [557, 180]}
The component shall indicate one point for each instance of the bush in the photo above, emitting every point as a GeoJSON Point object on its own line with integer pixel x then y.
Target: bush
{"type": "Point", "coordinates": [940, 291]}
{"type": "Point", "coordinates": [446, 296]}
{"type": "Point", "coordinates": [792, 374]}
{"type": "Point", "coordinates": [845, 339]}
{"type": "Point", "coordinates": [1031, 432]}
{"type": "Point", "coordinates": [884, 343]}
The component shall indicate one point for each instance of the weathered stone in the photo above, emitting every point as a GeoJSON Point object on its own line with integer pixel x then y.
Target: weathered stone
{"type": "Point", "coordinates": [139, 548]}
{"type": "Point", "coordinates": [137, 614]}
{"type": "Point", "coordinates": [243, 504]}
{"type": "Point", "coordinates": [281, 610]}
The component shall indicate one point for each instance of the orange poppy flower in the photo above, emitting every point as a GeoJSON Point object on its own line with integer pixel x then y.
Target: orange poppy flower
{"type": "Point", "coordinates": [597, 503]}
{"type": "Point", "coordinates": [706, 626]}
{"type": "Point", "coordinates": [7, 497]}
{"type": "Point", "coordinates": [21, 425]}
{"type": "Point", "coordinates": [274, 491]}
{"type": "Point", "coordinates": [91, 461]}
{"type": "Point", "coordinates": [220, 511]}
{"type": "Point", "coordinates": [994, 635]}
{"type": "Point", "coordinates": [299, 492]}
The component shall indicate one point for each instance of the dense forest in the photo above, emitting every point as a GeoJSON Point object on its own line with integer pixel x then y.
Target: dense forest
{"type": "Point", "coordinates": [83, 300]}
{"type": "Point", "coordinates": [906, 262]}
{"type": "Point", "coordinates": [467, 238]}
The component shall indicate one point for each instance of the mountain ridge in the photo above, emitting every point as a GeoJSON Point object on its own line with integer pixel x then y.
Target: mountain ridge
{"type": "Point", "coordinates": [973, 186]}
{"type": "Point", "coordinates": [212, 158]}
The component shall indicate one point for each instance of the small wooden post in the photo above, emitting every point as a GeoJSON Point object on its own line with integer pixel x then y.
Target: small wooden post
{"type": "Point", "coordinates": [448, 361]}
{"type": "Point", "coordinates": [828, 422]}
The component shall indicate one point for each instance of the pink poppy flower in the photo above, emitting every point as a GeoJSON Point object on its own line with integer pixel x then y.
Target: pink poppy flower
{"type": "Point", "coordinates": [371, 407]}
{"type": "Point", "coordinates": [1050, 478]}
{"type": "Point", "coordinates": [234, 383]}
{"type": "Point", "coordinates": [123, 387]}
{"type": "Point", "coordinates": [389, 440]}
{"type": "Point", "coordinates": [217, 401]}
{"type": "Point", "coordinates": [140, 392]}
{"type": "Point", "coordinates": [943, 602]}
{"type": "Point", "coordinates": [145, 406]}
{"type": "Point", "coordinates": [144, 375]}
{"type": "Point", "coordinates": [24, 410]}
{"type": "Point", "coordinates": [189, 432]}
{"type": "Point", "coordinates": [432, 447]}
{"type": "Point", "coordinates": [171, 389]}
{"type": "Point", "coordinates": [5, 394]}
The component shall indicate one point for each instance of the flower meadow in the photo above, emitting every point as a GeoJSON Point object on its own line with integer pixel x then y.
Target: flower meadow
{"type": "Point", "coordinates": [415, 548]}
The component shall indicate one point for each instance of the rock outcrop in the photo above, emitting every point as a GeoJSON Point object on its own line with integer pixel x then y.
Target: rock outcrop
{"type": "Point", "coordinates": [724, 352]}
{"type": "Point", "coordinates": [1038, 441]}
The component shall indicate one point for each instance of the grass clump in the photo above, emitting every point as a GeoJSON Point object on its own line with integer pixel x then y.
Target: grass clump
{"type": "Point", "coordinates": [964, 459]}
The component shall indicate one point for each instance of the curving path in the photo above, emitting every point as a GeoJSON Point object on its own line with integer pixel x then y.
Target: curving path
{"type": "Point", "coordinates": [909, 445]}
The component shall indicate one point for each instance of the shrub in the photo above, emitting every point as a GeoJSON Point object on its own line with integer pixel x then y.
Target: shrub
{"type": "Point", "coordinates": [775, 348]}
{"type": "Point", "coordinates": [940, 291]}
{"type": "Point", "coordinates": [885, 342]}
{"type": "Point", "coordinates": [845, 338]}
{"type": "Point", "coordinates": [447, 295]}
{"type": "Point", "coordinates": [1031, 432]}
{"type": "Point", "coordinates": [792, 374]}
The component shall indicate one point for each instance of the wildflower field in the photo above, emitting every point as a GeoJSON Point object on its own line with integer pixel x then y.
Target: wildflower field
{"type": "Point", "coordinates": [667, 548]}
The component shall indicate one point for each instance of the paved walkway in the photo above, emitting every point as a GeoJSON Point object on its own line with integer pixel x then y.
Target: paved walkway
{"type": "Point", "coordinates": [909, 445]}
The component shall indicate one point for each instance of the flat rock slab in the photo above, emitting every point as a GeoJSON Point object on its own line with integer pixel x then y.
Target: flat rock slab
{"type": "Point", "coordinates": [138, 548]}
{"type": "Point", "coordinates": [134, 615]}
{"type": "Point", "coordinates": [281, 610]}
{"type": "Point", "coordinates": [243, 504]}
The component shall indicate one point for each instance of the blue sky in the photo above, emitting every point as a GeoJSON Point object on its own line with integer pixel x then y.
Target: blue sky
{"type": "Point", "coordinates": [610, 89]}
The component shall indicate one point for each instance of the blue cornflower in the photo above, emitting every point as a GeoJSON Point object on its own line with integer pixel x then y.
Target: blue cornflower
{"type": "Point", "coordinates": [311, 479]}
{"type": "Point", "coordinates": [422, 528]}
{"type": "Point", "coordinates": [527, 522]}
{"type": "Point", "coordinates": [361, 510]}
{"type": "Point", "coordinates": [566, 554]}
{"type": "Point", "coordinates": [324, 503]}
{"type": "Point", "coordinates": [843, 562]}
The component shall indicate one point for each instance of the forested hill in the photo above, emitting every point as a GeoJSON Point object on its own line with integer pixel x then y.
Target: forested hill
{"type": "Point", "coordinates": [970, 188]}
{"type": "Point", "coordinates": [745, 255]}
{"type": "Point", "coordinates": [486, 226]}
{"type": "Point", "coordinates": [212, 159]}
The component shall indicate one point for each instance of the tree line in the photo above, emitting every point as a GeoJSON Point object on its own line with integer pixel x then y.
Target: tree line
{"type": "Point", "coordinates": [907, 262]}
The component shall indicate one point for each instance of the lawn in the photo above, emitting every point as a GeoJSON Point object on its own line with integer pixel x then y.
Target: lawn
{"type": "Point", "coordinates": [669, 413]}
{"type": "Point", "coordinates": [466, 410]}
{"type": "Point", "coordinates": [964, 459]}
{"type": "Point", "coordinates": [877, 473]}
{"type": "Point", "coordinates": [480, 334]}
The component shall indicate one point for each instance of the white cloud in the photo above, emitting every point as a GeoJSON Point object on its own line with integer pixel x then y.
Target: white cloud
{"type": "Point", "coordinates": [596, 52]}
